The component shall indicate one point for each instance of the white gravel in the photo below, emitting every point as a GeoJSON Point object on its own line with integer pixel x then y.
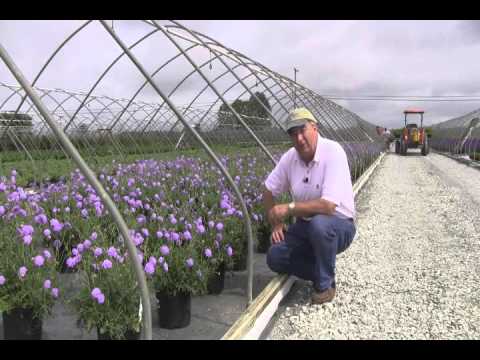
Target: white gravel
{"type": "Point", "coordinates": [413, 271]}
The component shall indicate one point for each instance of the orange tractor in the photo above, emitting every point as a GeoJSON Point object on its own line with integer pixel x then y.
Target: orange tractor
{"type": "Point", "coordinates": [412, 136]}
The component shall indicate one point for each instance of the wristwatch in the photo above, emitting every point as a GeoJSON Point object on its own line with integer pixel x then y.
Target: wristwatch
{"type": "Point", "coordinates": [291, 206]}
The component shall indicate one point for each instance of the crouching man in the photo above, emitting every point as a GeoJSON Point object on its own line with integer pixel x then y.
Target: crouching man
{"type": "Point", "coordinates": [316, 172]}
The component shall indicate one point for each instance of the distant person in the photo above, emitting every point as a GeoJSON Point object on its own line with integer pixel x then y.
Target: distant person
{"type": "Point", "coordinates": [316, 172]}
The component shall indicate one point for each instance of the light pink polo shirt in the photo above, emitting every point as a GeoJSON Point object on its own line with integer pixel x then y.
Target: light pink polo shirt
{"type": "Point", "coordinates": [327, 176]}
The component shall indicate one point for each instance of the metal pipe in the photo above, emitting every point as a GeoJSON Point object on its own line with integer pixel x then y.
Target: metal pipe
{"type": "Point", "coordinates": [192, 130]}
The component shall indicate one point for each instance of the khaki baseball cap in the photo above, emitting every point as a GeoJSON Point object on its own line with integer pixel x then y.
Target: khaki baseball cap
{"type": "Point", "coordinates": [299, 117]}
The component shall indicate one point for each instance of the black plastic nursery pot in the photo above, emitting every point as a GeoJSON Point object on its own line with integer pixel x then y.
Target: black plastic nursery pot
{"type": "Point", "coordinates": [174, 311]}
{"type": "Point", "coordinates": [19, 324]}
{"type": "Point", "coordinates": [129, 335]}
{"type": "Point", "coordinates": [216, 282]}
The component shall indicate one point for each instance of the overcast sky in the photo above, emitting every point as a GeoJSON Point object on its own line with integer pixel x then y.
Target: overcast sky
{"type": "Point", "coordinates": [346, 58]}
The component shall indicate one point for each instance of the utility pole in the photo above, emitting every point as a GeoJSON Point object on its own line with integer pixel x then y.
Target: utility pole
{"type": "Point", "coordinates": [295, 70]}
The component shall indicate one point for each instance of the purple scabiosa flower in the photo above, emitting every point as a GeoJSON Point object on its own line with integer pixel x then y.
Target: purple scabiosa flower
{"type": "Point", "coordinates": [22, 272]}
{"type": "Point", "coordinates": [175, 237]}
{"type": "Point", "coordinates": [173, 220]}
{"type": "Point", "coordinates": [219, 226]}
{"type": "Point", "coordinates": [159, 234]}
{"type": "Point", "coordinates": [3, 187]}
{"type": "Point", "coordinates": [71, 262]}
{"type": "Point", "coordinates": [55, 292]}
{"type": "Point", "coordinates": [74, 251]}
{"type": "Point", "coordinates": [141, 219]}
{"type": "Point", "coordinates": [79, 205]}
{"type": "Point", "coordinates": [84, 213]}
{"type": "Point", "coordinates": [145, 232]}
{"type": "Point", "coordinates": [2, 280]}
{"type": "Point", "coordinates": [219, 237]}
{"type": "Point", "coordinates": [47, 254]}
{"type": "Point", "coordinates": [229, 251]}
{"type": "Point", "coordinates": [94, 236]}
{"type": "Point", "coordinates": [153, 260]}
{"type": "Point", "coordinates": [2, 210]}
{"type": "Point", "coordinates": [187, 235]}
{"type": "Point", "coordinates": [95, 292]}
{"type": "Point", "coordinates": [167, 235]}
{"type": "Point", "coordinates": [200, 229]}
{"type": "Point", "coordinates": [47, 233]}
{"type": "Point", "coordinates": [211, 224]}
{"type": "Point", "coordinates": [97, 252]}
{"type": "Point", "coordinates": [255, 217]}
{"type": "Point", "coordinates": [112, 252]}
{"type": "Point", "coordinates": [38, 260]}
{"type": "Point", "coordinates": [25, 230]}
{"type": "Point", "coordinates": [208, 253]}
{"type": "Point", "coordinates": [47, 284]}
{"type": "Point", "coordinates": [138, 239]}
{"type": "Point", "coordinates": [80, 248]}
{"type": "Point", "coordinates": [150, 268]}
{"type": "Point", "coordinates": [165, 266]}
{"type": "Point", "coordinates": [87, 244]}
{"type": "Point", "coordinates": [56, 225]}
{"type": "Point", "coordinates": [164, 250]}
{"type": "Point", "coordinates": [106, 264]}
{"type": "Point", "coordinates": [41, 219]}
{"type": "Point", "coordinates": [101, 299]}
{"type": "Point", "coordinates": [27, 239]}
{"type": "Point", "coordinates": [161, 260]}
{"type": "Point", "coordinates": [189, 262]}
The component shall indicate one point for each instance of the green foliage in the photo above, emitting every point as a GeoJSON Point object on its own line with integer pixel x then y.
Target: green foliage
{"type": "Point", "coordinates": [27, 292]}
{"type": "Point", "coordinates": [121, 310]}
{"type": "Point", "coordinates": [252, 112]}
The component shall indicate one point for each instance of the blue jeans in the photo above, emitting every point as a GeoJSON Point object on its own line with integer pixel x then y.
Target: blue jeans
{"type": "Point", "coordinates": [310, 249]}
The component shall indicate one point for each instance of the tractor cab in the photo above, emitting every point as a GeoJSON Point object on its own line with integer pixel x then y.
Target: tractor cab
{"type": "Point", "coordinates": [412, 136]}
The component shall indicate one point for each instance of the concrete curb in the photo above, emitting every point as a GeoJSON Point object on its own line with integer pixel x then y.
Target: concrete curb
{"type": "Point", "coordinates": [256, 317]}
{"type": "Point", "coordinates": [471, 163]}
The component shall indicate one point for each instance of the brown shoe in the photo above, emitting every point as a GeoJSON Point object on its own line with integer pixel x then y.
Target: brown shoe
{"type": "Point", "coordinates": [323, 296]}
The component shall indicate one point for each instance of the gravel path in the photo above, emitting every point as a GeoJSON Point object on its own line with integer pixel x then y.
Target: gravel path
{"type": "Point", "coordinates": [413, 271]}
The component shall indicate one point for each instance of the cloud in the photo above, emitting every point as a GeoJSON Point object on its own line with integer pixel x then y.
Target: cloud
{"type": "Point", "coordinates": [334, 57]}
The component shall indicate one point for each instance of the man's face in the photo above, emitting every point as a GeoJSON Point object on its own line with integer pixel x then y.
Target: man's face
{"type": "Point", "coordinates": [303, 139]}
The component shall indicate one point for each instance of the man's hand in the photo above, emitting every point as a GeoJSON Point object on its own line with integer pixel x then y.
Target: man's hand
{"type": "Point", "coordinates": [277, 233]}
{"type": "Point", "coordinates": [277, 214]}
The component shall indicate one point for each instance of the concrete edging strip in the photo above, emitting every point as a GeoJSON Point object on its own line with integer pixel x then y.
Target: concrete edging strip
{"type": "Point", "coordinates": [252, 322]}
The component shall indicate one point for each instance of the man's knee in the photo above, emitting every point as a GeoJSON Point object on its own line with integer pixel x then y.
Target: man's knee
{"type": "Point", "coordinates": [321, 227]}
